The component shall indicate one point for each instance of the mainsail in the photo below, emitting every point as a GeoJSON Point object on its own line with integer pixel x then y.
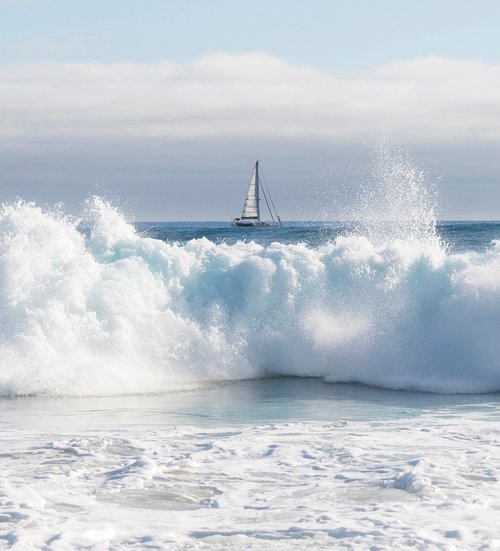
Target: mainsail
{"type": "Point", "coordinates": [251, 209]}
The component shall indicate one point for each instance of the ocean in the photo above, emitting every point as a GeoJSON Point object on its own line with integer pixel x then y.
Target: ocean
{"type": "Point", "coordinates": [198, 386]}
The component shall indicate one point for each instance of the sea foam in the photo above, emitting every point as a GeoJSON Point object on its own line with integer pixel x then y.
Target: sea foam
{"type": "Point", "coordinates": [110, 311]}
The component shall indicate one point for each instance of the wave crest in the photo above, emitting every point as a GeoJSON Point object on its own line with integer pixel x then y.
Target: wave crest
{"type": "Point", "coordinates": [110, 311]}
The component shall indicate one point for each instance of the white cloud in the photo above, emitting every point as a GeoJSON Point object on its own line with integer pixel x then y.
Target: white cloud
{"type": "Point", "coordinates": [431, 99]}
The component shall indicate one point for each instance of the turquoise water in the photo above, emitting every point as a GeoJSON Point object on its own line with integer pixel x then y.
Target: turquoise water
{"type": "Point", "coordinates": [259, 401]}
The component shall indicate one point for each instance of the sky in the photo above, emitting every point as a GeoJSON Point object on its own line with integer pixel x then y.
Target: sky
{"type": "Point", "coordinates": [164, 106]}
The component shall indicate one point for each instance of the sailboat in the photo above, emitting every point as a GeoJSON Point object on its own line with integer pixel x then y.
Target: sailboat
{"type": "Point", "coordinates": [251, 208]}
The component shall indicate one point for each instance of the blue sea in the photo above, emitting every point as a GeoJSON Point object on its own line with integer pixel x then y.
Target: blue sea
{"type": "Point", "coordinates": [193, 385]}
{"type": "Point", "coordinates": [459, 236]}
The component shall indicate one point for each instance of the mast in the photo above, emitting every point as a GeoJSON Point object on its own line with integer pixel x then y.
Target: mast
{"type": "Point", "coordinates": [257, 198]}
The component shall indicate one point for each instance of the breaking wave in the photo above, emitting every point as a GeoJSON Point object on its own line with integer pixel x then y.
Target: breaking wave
{"type": "Point", "coordinates": [110, 311]}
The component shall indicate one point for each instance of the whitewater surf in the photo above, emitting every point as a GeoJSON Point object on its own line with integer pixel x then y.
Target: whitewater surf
{"type": "Point", "coordinates": [105, 309]}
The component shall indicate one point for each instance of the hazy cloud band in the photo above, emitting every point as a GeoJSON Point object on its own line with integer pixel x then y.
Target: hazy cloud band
{"type": "Point", "coordinates": [430, 99]}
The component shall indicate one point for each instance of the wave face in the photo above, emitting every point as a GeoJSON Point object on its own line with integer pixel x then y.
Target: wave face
{"type": "Point", "coordinates": [110, 311]}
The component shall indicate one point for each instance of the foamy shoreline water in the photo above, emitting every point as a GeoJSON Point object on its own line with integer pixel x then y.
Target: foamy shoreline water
{"type": "Point", "coordinates": [280, 463]}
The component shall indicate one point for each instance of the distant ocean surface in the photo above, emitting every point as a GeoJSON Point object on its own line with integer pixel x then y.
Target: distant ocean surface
{"type": "Point", "coordinates": [199, 386]}
{"type": "Point", "coordinates": [459, 236]}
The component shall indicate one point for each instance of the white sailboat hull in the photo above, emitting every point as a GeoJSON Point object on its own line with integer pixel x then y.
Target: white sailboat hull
{"type": "Point", "coordinates": [250, 223]}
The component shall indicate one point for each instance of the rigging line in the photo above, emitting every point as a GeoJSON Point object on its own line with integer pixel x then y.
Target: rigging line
{"type": "Point", "coordinates": [269, 193]}
{"type": "Point", "coordinates": [267, 202]}
{"type": "Point", "coordinates": [270, 197]}
{"type": "Point", "coordinates": [264, 187]}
